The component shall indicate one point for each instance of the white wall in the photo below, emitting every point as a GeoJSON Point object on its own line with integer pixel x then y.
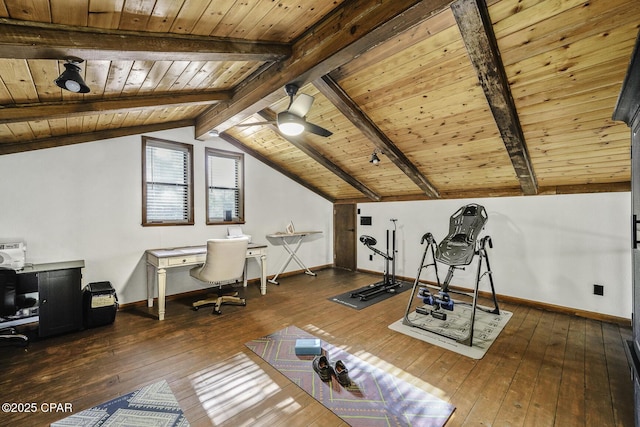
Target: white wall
{"type": "Point", "coordinates": [84, 202]}
{"type": "Point", "coordinates": [550, 249]}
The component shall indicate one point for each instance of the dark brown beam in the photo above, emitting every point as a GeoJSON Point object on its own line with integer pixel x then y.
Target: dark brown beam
{"type": "Point", "coordinates": [28, 40]}
{"type": "Point", "coordinates": [63, 109]}
{"type": "Point", "coordinates": [605, 187]}
{"type": "Point", "coordinates": [351, 29]}
{"type": "Point", "coordinates": [306, 148]}
{"type": "Point", "coordinates": [628, 105]}
{"type": "Point", "coordinates": [338, 97]}
{"type": "Point", "coordinates": [253, 153]}
{"type": "Point", "coordinates": [58, 141]}
{"type": "Point", "coordinates": [475, 25]}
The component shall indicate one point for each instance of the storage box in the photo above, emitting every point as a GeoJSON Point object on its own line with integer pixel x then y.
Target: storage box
{"type": "Point", "coordinates": [100, 304]}
{"type": "Point", "coordinates": [308, 347]}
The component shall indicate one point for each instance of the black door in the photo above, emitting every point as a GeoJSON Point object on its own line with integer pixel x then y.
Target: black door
{"type": "Point", "coordinates": [60, 296]}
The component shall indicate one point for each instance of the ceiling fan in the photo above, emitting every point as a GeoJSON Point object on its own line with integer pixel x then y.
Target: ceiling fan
{"type": "Point", "coordinates": [292, 121]}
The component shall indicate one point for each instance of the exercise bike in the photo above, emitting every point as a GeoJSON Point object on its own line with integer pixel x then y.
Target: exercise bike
{"type": "Point", "coordinates": [389, 282]}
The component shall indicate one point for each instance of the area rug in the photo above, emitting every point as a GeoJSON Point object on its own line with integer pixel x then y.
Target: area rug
{"type": "Point", "coordinates": [354, 302]}
{"type": "Point", "coordinates": [486, 329]}
{"type": "Point", "coordinates": [375, 397]}
{"type": "Point", "coordinates": [151, 406]}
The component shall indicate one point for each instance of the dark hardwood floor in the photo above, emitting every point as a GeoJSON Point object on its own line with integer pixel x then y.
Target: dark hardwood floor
{"type": "Point", "coordinates": [545, 369]}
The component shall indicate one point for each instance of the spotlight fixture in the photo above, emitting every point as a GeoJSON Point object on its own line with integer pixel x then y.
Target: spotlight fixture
{"type": "Point", "coordinates": [70, 78]}
{"type": "Point", "coordinates": [374, 157]}
{"type": "Point", "coordinates": [214, 132]}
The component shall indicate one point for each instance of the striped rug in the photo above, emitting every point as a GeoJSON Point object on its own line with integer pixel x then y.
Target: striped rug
{"type": "Point", "coordinates": [376, 398]}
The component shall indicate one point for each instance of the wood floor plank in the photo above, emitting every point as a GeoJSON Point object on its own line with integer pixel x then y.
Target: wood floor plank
{"type": "Point", "coordinates": [492, 397]}
{"type": "Point", "coordinates": [533, 335]}
{"type": "Point", "coordinates": [542, 406]}
{"type": "Point", "coordinates": [618, 378]}
{"type": "Point", "coordinates": [597, 388]}
{"type": "Point", "coordinates": [218, 381]}
{"type": "Point", "coordinates": [488, 389]}
{"type": "Point", "coordinates": [571, 396]}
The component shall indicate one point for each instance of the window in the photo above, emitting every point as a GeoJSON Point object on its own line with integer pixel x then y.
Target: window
{"type": "Point", "coordinates": [225, 182]}
{"type": "Point", "coordinates": [167, 182]}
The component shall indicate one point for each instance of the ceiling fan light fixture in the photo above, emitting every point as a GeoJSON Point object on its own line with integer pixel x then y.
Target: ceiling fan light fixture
{"type": "Point", "coordinates": [290, 124]}
{"type": "Point", "coordinates": [70, 78]}
{"type": "Point", "coordinates": [292, 121]}
{"type": "Point", "coordinates": [291, 129]}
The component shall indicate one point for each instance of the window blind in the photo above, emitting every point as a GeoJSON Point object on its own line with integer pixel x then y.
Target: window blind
{"type": "Point", "coordinates": [224, 186]}
{"type": "Point", "coordinates": [168, 178]}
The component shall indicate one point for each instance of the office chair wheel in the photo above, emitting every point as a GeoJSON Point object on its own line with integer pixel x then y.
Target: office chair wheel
{"type": "Point", "coordinates": [216, 310]}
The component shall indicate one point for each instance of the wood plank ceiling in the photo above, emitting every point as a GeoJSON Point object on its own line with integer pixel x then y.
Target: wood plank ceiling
{"type": "Point", "coordinates": [458, 98]}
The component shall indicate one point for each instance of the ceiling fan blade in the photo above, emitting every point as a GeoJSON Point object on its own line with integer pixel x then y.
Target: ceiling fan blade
{"type": "Point", "coordinates": [301, 105]}
{"type": "Point", "coordinates": [255, 124]}
{"type": "Point", "coordinates": [310, 127]}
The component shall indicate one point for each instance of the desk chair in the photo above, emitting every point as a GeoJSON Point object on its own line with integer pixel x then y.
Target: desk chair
{"type": "Point", "coordinates": [224, 264]}
{"type": "Point", "coordinates": [8, 307]}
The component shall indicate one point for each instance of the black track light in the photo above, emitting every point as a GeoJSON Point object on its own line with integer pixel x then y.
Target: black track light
{"type": "Point", "coordinates": [374, 158]}
{"type": "Point", "coordinates": [70, 78]}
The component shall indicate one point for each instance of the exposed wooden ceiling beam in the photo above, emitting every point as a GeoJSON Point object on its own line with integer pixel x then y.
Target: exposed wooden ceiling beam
{"type": "Point", "coordinates": [58, 141]}
{"type": "Point", "coordinates": [29, 40]}
{"type": "Point", "coordinates": [475, 25]}
{"type": "Point", "coordinates": [54, 110]}
{"type": "Point", "coordinates": [338, 97]}
{"type": "Point", "coordinates": [506, 192]}
{"type": "Point", "coordinates": [305, 147]}
{"type": "Point", "coordinates": [628, 105]}
{"type": "Point", "coordinates": [255, 154]}
{"type": "Point", "coordinates": [604, 187]}
{"type": "Point", "coordinates": [351, 29]}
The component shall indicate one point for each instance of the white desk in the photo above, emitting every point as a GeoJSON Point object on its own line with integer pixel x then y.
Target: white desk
{"type": "Point", "coordinates": [161, 259]}
{"type": "Point", "coordinates": [296, 239]}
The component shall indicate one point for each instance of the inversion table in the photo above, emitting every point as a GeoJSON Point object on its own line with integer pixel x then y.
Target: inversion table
{"type": "Point", "coordinates": [288, 240]}
{"type": "Point", "coordinates": [456, 250]}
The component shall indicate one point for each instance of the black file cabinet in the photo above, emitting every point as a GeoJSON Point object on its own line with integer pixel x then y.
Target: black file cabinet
{"type": "Point", "coordinates": [59, 295]}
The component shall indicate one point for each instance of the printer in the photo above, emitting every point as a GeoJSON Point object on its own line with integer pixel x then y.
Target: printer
{"type": "Point", "coordinates": [12, 254]}
{"type": "Point", "coordinates": [235, 232]}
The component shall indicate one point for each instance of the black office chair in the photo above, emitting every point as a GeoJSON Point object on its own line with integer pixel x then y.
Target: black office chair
{"type": "Point", "coordinates": [8, 307]}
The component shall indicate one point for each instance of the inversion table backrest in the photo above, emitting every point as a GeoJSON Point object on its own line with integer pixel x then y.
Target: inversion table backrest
{"type": "Point", "coordinates": [465, 225]}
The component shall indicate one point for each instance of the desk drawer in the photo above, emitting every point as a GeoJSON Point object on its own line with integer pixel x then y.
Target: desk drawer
{"type": "Point", "coordinates": [184, 260]}
{"type": "Point", "coordinates": [254, 252]}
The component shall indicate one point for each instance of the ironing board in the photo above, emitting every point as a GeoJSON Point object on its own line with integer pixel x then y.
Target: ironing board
{"type": "Point", "coordinates": [291, 243]}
